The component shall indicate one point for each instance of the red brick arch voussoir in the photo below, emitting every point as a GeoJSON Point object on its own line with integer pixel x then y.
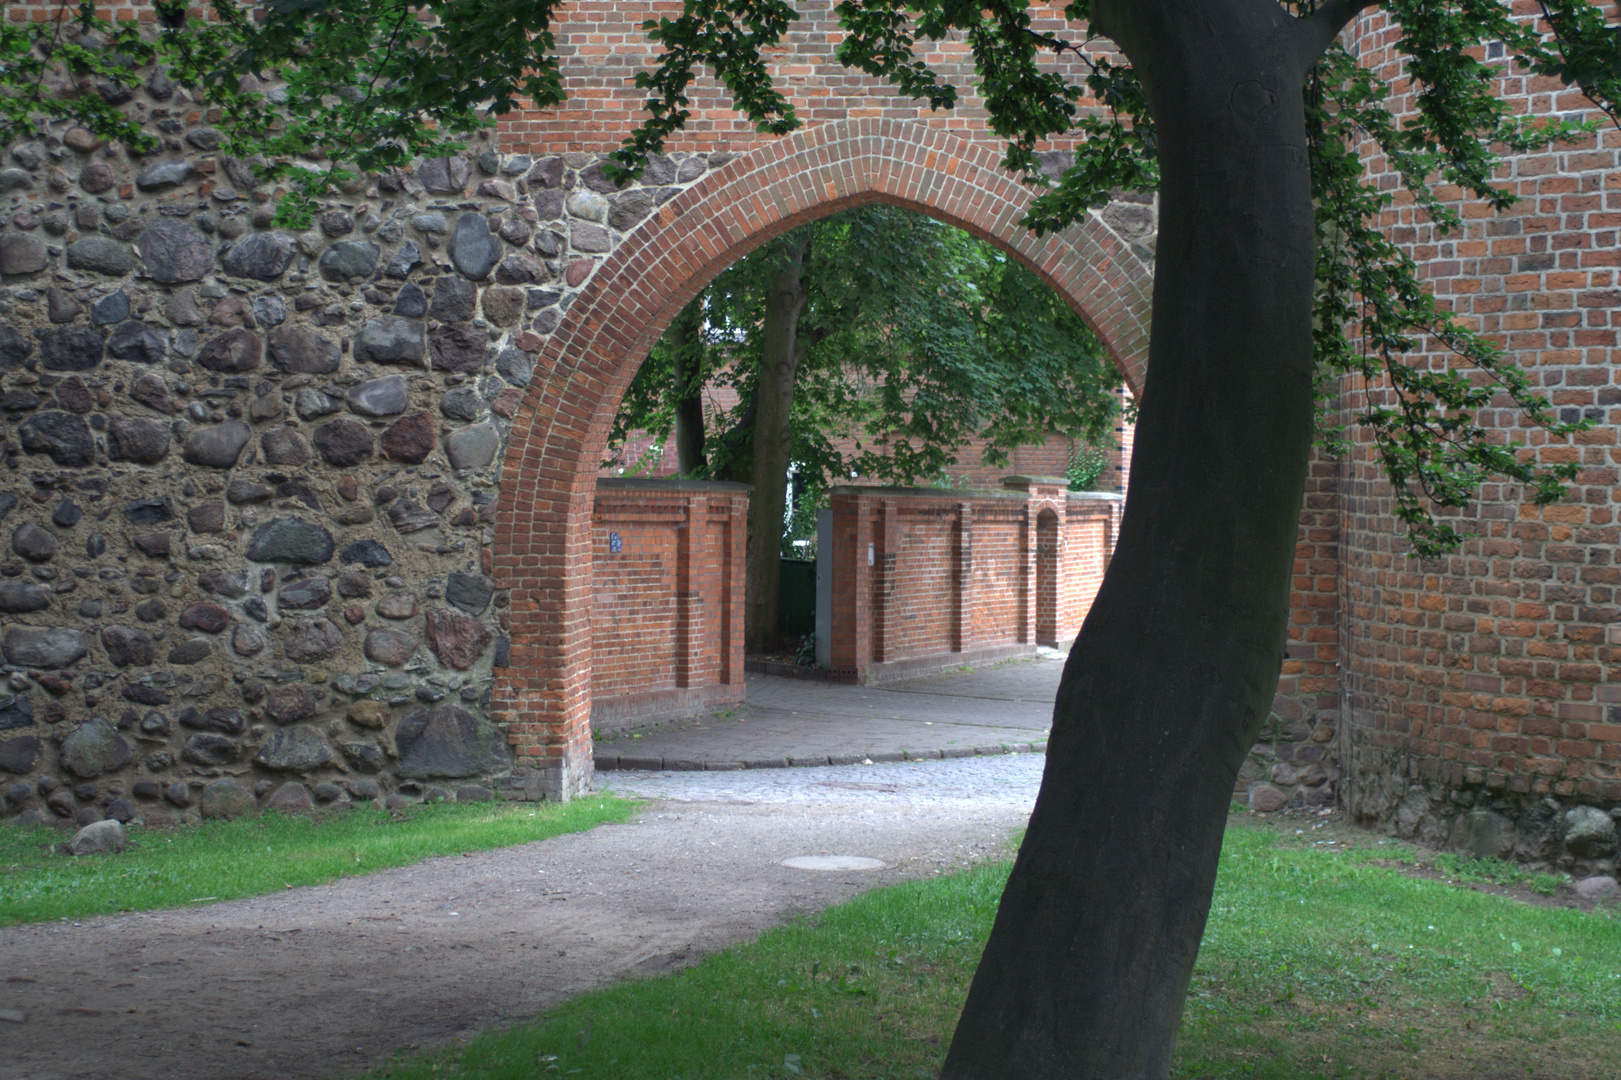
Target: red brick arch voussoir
{"type": "Point", "coordinates": [542, 542]}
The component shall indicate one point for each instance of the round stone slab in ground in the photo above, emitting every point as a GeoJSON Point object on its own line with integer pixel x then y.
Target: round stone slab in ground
{"type": "Point", "coordinates": [833, 862]}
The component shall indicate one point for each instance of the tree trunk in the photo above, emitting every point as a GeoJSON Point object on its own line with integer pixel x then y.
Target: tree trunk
{"type": "Point", "coordinates": [687, 337]}
{"type": "Point", "coordinates": [773, 442]}
{"type": "Point", "coordinates": [1165, 689]}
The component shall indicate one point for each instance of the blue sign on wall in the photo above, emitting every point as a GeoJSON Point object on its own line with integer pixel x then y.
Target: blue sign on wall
{"type": "Point", "coordinates": [615, 545]}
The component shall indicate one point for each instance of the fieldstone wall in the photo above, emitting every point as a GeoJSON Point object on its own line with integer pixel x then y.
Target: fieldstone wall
{"type": "Point", "coordinates": [250, 472]}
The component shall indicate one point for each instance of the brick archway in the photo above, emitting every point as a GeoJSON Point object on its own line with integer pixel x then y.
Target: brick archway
{"type": "Point", "coordinates": [542, 538]}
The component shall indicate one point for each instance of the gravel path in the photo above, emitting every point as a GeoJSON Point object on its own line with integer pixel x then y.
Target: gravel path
{"type": "Point", "coordinates": [327, 980]}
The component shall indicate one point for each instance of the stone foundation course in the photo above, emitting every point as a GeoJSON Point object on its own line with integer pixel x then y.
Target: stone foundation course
{"type": "Point", "coordinates": [250, 471]}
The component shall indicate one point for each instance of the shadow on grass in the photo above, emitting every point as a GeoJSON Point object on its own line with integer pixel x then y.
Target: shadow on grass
{"type": "Point", "coordinates": [1318, 963]}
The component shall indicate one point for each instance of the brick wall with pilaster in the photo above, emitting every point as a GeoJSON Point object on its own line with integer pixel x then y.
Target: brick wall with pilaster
{"type": "Point", "coordinates": [925, 579]}
{"type": "Point", "coordinates": [667, 600]}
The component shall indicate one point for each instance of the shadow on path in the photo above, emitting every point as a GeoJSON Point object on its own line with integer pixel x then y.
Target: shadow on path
{"type": "Point", "coordinates": [1001, 708]}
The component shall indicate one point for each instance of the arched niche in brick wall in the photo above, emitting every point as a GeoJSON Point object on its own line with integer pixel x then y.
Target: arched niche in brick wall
{"type": "Point", "coordinates": [542, 548]}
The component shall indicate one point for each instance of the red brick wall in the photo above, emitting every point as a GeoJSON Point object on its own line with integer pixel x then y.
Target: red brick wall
{"type": "Point", "coordinates": [541, 548]}
{"type": "Point", "coordinates": [924, 578]}
{"type": "Point", "coordinates": [1482, 687]}
{"type": "Point", "coordinates": [1091, 526]}
{"type": "Point", "coordinates": [667, 607]}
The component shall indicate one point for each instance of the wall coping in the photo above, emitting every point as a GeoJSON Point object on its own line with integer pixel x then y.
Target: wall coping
{"type": "Point", "coordinates": [959, 494]}
{"type": "Point", "coordinates": [1044, 481]}
{"type": "Point", "coordinates": [660, 483]}
{"type": "Point", "coordinates": [945, 494]}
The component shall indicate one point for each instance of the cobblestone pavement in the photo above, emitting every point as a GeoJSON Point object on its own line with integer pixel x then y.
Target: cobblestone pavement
{"type": "Point", "coordinates": [998, 709]}
{"type": "Point", "coordinates": [1008, 781]}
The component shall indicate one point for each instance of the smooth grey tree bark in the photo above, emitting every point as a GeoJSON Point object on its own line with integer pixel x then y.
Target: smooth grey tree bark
{"type": "Point", "coordinates": [1093, 947]}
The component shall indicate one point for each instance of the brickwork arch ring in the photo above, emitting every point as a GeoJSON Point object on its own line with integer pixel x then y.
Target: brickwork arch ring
{"type": "Point", "coordinates": [542, 542]}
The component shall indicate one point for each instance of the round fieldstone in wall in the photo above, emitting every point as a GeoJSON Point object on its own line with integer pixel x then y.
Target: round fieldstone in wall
{"type": "Point", "coordinates": [391, 340]}
{"type": "Point", "coordinates": [306, 594]}
{"type": "Point", "coordinates": [448, 741]}
{"type": "Point", "coordinates": [290, 703]}
{"type": "Point", "coordinates": [368, 553]}
{"type": "Point", "coordinates": [194, 651]}
{"type": "Point", "coordinates": [262, 256]}
{"type": "Point", "coordinates": [231, 353]}
{"type": "Point", "coordinates": [343, 442]}
{"type": "Point", "coordinates": [219, 718]}
{"type": "Point", "coordinates": [457, 640]}
{"type": "Point", "coordinates": [1589, 832]}
{"type": "Point", "coordinates": [139, 343]}
{"type": "Point", "coordinates": [391, 647]}
{"type": "Point", "coordinates": [473, 249]}
{"type": "Point", "coordinates": [44, 647]}
{"type": "Point", "coordinates": [33, 543]}
{"type": "Point", "coordinates": [15, 712]}
{"type": "Point", "coordinates": [65, 437]}
{"type": "Point", "coordinates": [20, 597]}
{"type": "Point", "coordinates": [291, 540]}
{"type": "Point", "coordinates": [445, 176]}
{"type": "Point", "coordinates": [470, 592]}
{"type": "Point", "coordinates": [126, 645]}
{"type": "Point", "coordinates": [163, 175]}
{"type": "Point", "coordinates": [462, 403]}
{"type": "Point", "coordinates": [72, 348]}
{"type": "Point", "coordinates": [284, 446]}
{"type": "Point", "coordinates": [410, 439]}
{"type": "Point", "coordinates": [387, 396]}
{"type": "Point", "coordinates": [298, 749]}
{"type": "Point", "coordinates": [225, 799]}
{"type": "Point", "coordinates": [19, 755]}
{"type": "Point", "coordinates": [205, 615]}
{"type": "Point", "coordinates": [290, 798]}
{"type": "Point", "coordinates": [173, 250]}
{"type": "Point", "coordinates": [95, 748]}
{"type": "Point", "coordinates": [219, 446]}
{"type": "Point", "coordinates": [473, 447]}
{"type": "Point", "coordinates": [311, 640]}
{"type": "Point", "coordinates": [503, 306]}
{"type": "Point", "coordinates": [210, 750]}
{"type": "Point", "coordinates": [302, 350]}
{"type": "Point", "coordinates": [348, 259]}
{"type": "Point", "coordinates": [14, 348]}
{"type": "Point", "coordinates": [96, 177]}
{"type": "Point", "coordinates": [458, 348]}
{"type": "Point", "coordinates": [454, 299]}
{"type": "Point", "coordinates": [21, 254]}
{"type": "Point", "coordinates": [100, 255]}
{"type": "Point", "coordinates": [401, 606]}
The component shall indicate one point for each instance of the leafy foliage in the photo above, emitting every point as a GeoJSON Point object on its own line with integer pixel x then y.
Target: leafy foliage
{"type": "Point", "coordinates": [922, 338]}
{"type": "Point", "coordinates": [1374, 313]}
{"type": "Point", "coordinates": [1086, 465]}
{"type": "Point", "coordinates": [371, 84]}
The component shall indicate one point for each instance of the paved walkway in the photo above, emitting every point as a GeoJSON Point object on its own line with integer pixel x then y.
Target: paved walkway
{"type": "Point", "coordinates": [996, 709]}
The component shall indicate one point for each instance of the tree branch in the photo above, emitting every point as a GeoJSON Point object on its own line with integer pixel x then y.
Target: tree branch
{"type": "Point", "coordinates": [1327, 21]}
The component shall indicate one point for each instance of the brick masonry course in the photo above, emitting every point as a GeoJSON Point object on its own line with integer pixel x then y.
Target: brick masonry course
{"type": "Point", "coordinates": [1469, 701]}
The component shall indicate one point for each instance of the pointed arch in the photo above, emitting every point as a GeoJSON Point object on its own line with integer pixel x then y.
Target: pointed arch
{"type": "Point", "coordinates": [541, 550]}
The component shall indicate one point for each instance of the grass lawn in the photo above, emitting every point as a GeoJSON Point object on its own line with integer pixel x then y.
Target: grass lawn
{"type": "Point", "coordinates": [227, 860]}
{"type": "Point", "coordinates": [1322, 960]}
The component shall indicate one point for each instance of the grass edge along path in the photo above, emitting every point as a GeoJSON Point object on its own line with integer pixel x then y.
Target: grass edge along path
{"type": "Point", "coordinates": [1319, 963]}
{"type": "Point", "coordinates": [229, 860]}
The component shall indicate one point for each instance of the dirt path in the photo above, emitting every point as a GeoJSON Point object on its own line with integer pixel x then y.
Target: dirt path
{"type": "Point", "coordinates": [323, 981]}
